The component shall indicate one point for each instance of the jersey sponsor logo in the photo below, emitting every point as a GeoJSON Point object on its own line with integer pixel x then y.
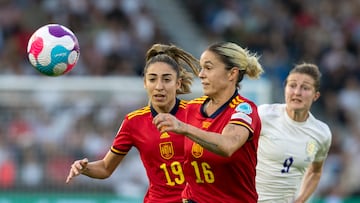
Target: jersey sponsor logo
{"type": "Point", "coordinates": [197, 150]}
{"type": "Point", "coordinates": [242, 116]}
{"type": "Point", "coordinates": [164, 135]}
{"type": "Point", "coordinates": [166, 150]}
{"type": "Point", "coordinates": [244, 108]}
{"type": "Point", "coordinates": [206, 124]}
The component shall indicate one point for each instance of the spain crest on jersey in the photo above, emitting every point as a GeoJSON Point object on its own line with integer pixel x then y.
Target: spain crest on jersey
{"type": "Point", "coordinates": [166, 150]}
{"type": "Point", "coordinates": [197, 150]}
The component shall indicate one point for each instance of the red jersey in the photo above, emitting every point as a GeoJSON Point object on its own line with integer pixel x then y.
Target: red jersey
{"type": "Point", "coordinates": [213, 178]}
{"type": "Point", "coordinates": [162, 154]}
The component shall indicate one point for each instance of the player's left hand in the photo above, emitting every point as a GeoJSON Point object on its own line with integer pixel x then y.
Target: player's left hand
{"type": "Point", "coordinates": [77, 168]}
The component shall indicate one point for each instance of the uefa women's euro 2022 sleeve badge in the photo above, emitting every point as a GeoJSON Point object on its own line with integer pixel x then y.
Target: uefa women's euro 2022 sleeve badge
{"type": "Point", "coordinates": [244, 108]}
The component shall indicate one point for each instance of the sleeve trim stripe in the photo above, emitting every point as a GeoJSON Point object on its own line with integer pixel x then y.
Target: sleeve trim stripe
{"type": "Point", "coordinates": [118, 151]}
{"type": "Point", "coordinates": [243, 124]}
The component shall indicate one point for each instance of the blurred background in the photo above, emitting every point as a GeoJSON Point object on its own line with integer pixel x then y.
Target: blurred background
{"type": "Point", "coordinates": [47, 123]}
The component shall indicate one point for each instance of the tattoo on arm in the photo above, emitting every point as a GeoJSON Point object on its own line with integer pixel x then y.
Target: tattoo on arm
{"type": "Point", "coordinates": [206, 144]}
{"type": "Point", "coordinates": [230, 129]}
{"type": "Point", "coordinates": [214, 146]}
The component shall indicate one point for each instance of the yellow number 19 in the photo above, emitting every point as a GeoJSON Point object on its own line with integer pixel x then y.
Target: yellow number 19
{"type": "Point", "coordinates": [176, 169]}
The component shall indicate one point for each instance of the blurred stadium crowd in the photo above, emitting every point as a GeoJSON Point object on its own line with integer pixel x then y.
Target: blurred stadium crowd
{"type": "Point", "coordinates": [114, 35]}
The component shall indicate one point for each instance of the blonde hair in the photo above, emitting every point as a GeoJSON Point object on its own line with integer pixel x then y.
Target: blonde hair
{"type": "Point", "coordinates": [184, 63]}
{"type": "Point", "coordinates": [232, 55]}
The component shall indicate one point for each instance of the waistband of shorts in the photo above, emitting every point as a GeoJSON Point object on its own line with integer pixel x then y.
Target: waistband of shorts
{"type": "Point", "coordinates": [188, 201]}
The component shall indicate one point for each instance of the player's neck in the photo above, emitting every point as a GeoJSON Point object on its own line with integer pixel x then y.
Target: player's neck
{"type": "Point", "coordinates": [216, 101]}
{"type": "Point", "coordinates": [166, 108]}
{"type": "Point", "coordinates": [298, 116]}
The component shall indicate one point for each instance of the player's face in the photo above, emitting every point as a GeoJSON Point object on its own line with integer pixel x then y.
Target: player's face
{"type": "Point", "coordinates": [161, 83]}
{"type": "Point", "coordinates": [300, 92]}
{"type": "Point", "coordinates": [214, 77]}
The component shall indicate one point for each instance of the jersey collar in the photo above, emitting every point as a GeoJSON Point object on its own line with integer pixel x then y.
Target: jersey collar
{"type": "Point", "coordinates": [173, 110]}
{"type": "Point", "coordinates": [217, 112]}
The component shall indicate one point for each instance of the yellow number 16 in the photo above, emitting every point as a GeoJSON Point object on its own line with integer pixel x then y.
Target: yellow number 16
{"type": "Point", "coordinates": [205, 167]}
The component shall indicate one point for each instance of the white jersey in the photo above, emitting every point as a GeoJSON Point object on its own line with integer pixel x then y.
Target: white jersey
{"type": "Point", "coordinates": [286, 148]}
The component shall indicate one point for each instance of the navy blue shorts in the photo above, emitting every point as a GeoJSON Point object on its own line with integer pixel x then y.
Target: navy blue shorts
{"type": "Point", "coordinates": [188, 201]}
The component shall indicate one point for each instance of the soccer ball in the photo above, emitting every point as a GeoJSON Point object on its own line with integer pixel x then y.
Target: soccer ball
{"type": "Point", "coordinates": [53, 50]}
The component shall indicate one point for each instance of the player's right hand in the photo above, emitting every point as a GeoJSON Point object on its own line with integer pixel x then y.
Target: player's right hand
{"type": "Point", "coordinates": [77, 168]}
{"type": "Point", "coordinates": [166, 122]}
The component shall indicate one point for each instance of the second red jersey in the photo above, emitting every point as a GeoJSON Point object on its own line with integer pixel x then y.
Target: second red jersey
{"type": "Point", "coordinates": [213, 178]}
